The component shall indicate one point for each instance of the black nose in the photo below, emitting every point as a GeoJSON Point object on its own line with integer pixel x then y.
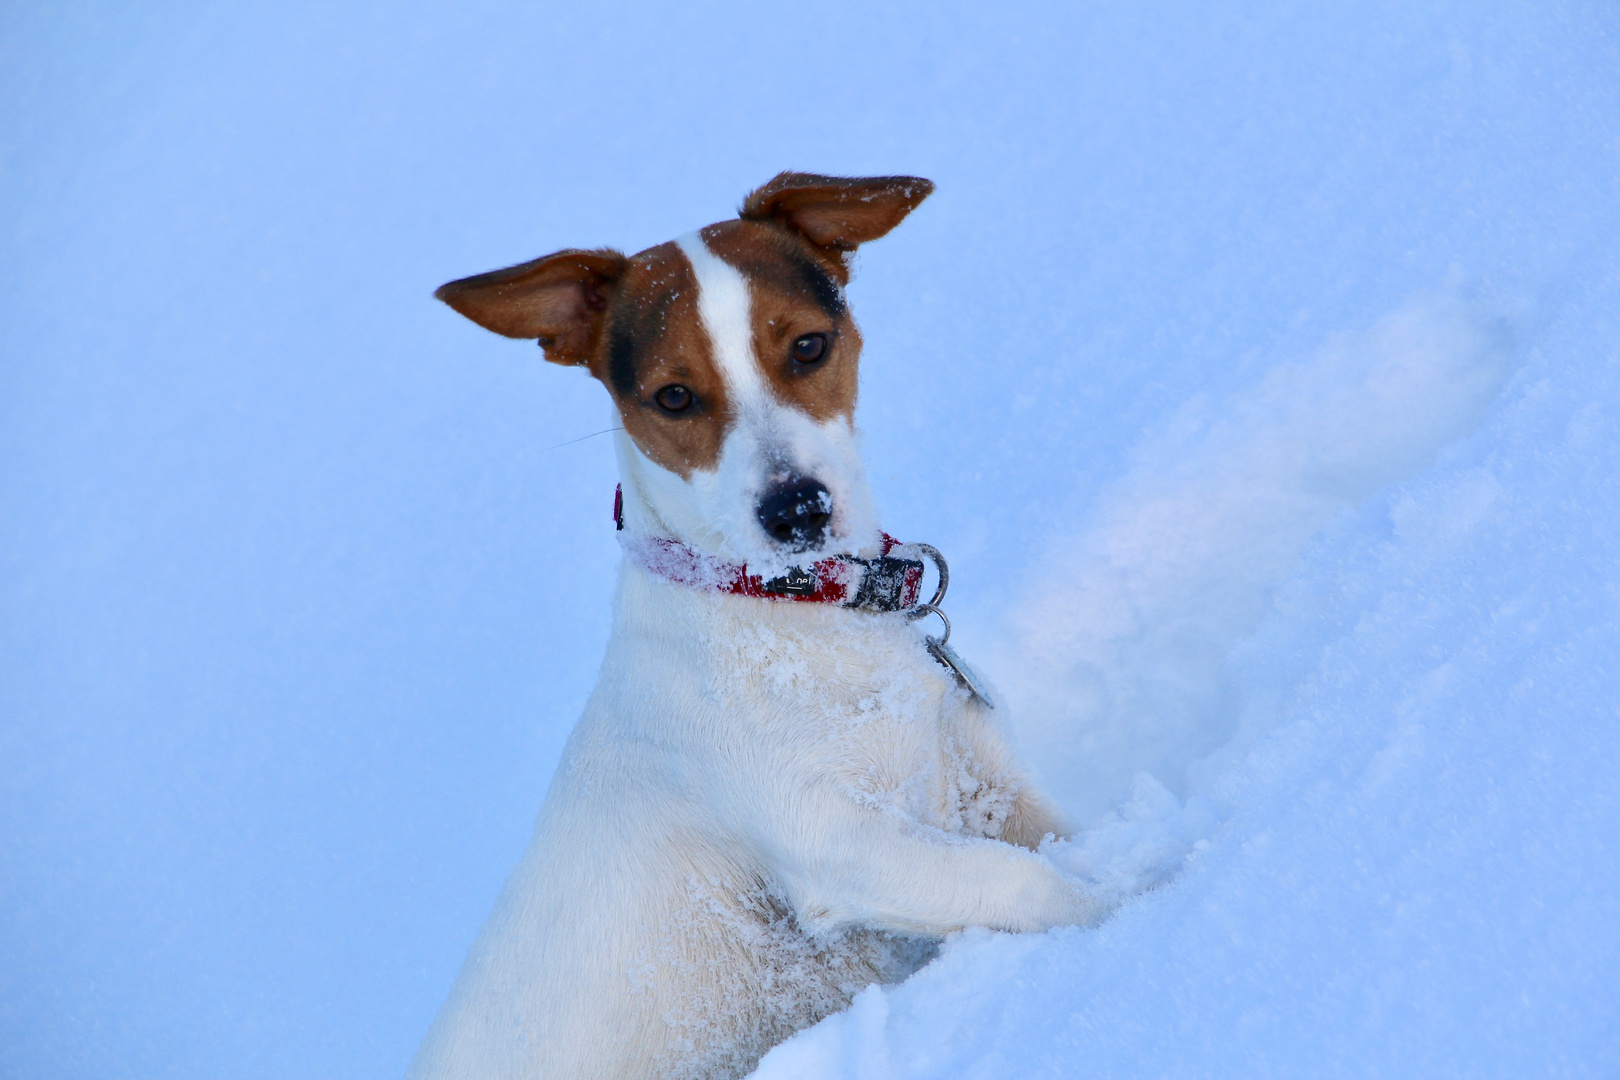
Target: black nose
{"type": "Point", "coordinates": [796, 513]}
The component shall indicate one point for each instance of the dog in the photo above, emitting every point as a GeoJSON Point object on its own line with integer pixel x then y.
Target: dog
{"type": "Point", "coordinates": [780, 791]}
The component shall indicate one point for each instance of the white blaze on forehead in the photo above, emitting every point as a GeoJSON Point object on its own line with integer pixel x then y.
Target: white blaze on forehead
{"type": "Point", "coordinates": [723, 304]}
{"type": "Point", "coordinates": [716, 510]}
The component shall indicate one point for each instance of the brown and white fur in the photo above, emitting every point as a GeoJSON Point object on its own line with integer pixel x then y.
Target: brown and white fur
{"type": "Point", "coordinates": [766, 806]}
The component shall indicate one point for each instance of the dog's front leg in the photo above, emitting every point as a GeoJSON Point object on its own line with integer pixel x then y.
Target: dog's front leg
{"type": "Point", "coordinates": [1033, 815]}
{"type": "Point", "coordinates": [874, 867]}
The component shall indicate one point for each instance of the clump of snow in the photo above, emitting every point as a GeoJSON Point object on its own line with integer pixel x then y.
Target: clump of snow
{"type": "Point", "coordinates": [862, 1052]}
{"type": "Point", "coordinates": [1137, 845]}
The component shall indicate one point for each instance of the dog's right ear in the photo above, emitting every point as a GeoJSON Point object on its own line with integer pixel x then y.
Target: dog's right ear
{"type": "Point", "coordinates": [560, 299]}
{"type": "Point", "coordinates": [836, 213]}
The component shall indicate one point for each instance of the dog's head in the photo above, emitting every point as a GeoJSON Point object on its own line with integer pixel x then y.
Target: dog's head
{"type": "Point", "coordinates": [732, 357]}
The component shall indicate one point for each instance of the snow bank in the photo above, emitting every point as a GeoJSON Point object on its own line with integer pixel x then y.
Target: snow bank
{"type": "Point", "coordinates": [1401, 862]}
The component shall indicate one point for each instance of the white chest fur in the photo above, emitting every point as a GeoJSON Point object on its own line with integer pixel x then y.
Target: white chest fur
{"type": "Point", "coordinates": [765, 807]}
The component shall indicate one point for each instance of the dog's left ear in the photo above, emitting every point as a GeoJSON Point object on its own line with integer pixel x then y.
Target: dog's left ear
{"type": "Point", "coordinates": [836, 213]}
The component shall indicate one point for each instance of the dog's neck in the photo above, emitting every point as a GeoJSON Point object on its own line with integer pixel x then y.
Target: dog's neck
{"type": "Point", "coordinates": [657, 505]}
{"type": "Point", "coordinates": [886, 582]}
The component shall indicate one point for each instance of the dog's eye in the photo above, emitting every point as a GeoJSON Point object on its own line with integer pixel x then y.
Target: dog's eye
{"type": "Point", "coordinates": [674, 398]}
{"type": "Point", "coordinates": [810, 348]}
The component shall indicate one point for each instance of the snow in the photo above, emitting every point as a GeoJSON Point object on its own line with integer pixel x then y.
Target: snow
{"type": "Point", "coordinates": [1120, 654]}
{"type": "Point", "coordinates": [1257, 367]}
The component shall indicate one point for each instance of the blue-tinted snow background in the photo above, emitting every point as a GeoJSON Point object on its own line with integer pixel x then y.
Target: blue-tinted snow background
{"type": "Point", "coordinates": [1258, 367]}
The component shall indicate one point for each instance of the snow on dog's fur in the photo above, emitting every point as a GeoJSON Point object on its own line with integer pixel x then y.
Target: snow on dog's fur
{"type": "Point", "coordinates": [766, 806]}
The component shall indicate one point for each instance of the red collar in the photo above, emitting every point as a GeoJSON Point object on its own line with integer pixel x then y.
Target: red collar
{"type": "Point", "coordinates": [884, 583]}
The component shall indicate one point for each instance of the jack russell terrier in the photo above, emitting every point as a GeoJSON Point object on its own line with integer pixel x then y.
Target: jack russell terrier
{"type": "Point", "coordinates": [780, 791]}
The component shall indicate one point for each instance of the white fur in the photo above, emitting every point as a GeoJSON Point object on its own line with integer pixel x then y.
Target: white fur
{"type": "Point", "coordinates": [764, 808]}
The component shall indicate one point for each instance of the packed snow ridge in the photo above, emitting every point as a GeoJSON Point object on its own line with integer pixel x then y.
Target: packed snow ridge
{"type": "Point", "coordinates": [1287, 682]}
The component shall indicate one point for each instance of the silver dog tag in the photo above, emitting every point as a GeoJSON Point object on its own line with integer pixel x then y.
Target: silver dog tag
{"type": "Point", "coordinates": [965, 675]}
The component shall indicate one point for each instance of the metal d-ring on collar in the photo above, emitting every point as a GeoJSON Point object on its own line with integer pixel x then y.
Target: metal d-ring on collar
{"type": "Point", "coordinates": [932, 607]}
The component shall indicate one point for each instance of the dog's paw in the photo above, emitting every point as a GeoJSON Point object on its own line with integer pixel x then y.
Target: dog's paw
{"type": "Point", "coordinates": [1055, 899]}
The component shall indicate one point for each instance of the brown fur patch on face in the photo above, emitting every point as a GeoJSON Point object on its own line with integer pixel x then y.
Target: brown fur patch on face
{"type": "Point", "coordinates": [655, 339]}
{"type": "Point", "coordinates": [796, 290]}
